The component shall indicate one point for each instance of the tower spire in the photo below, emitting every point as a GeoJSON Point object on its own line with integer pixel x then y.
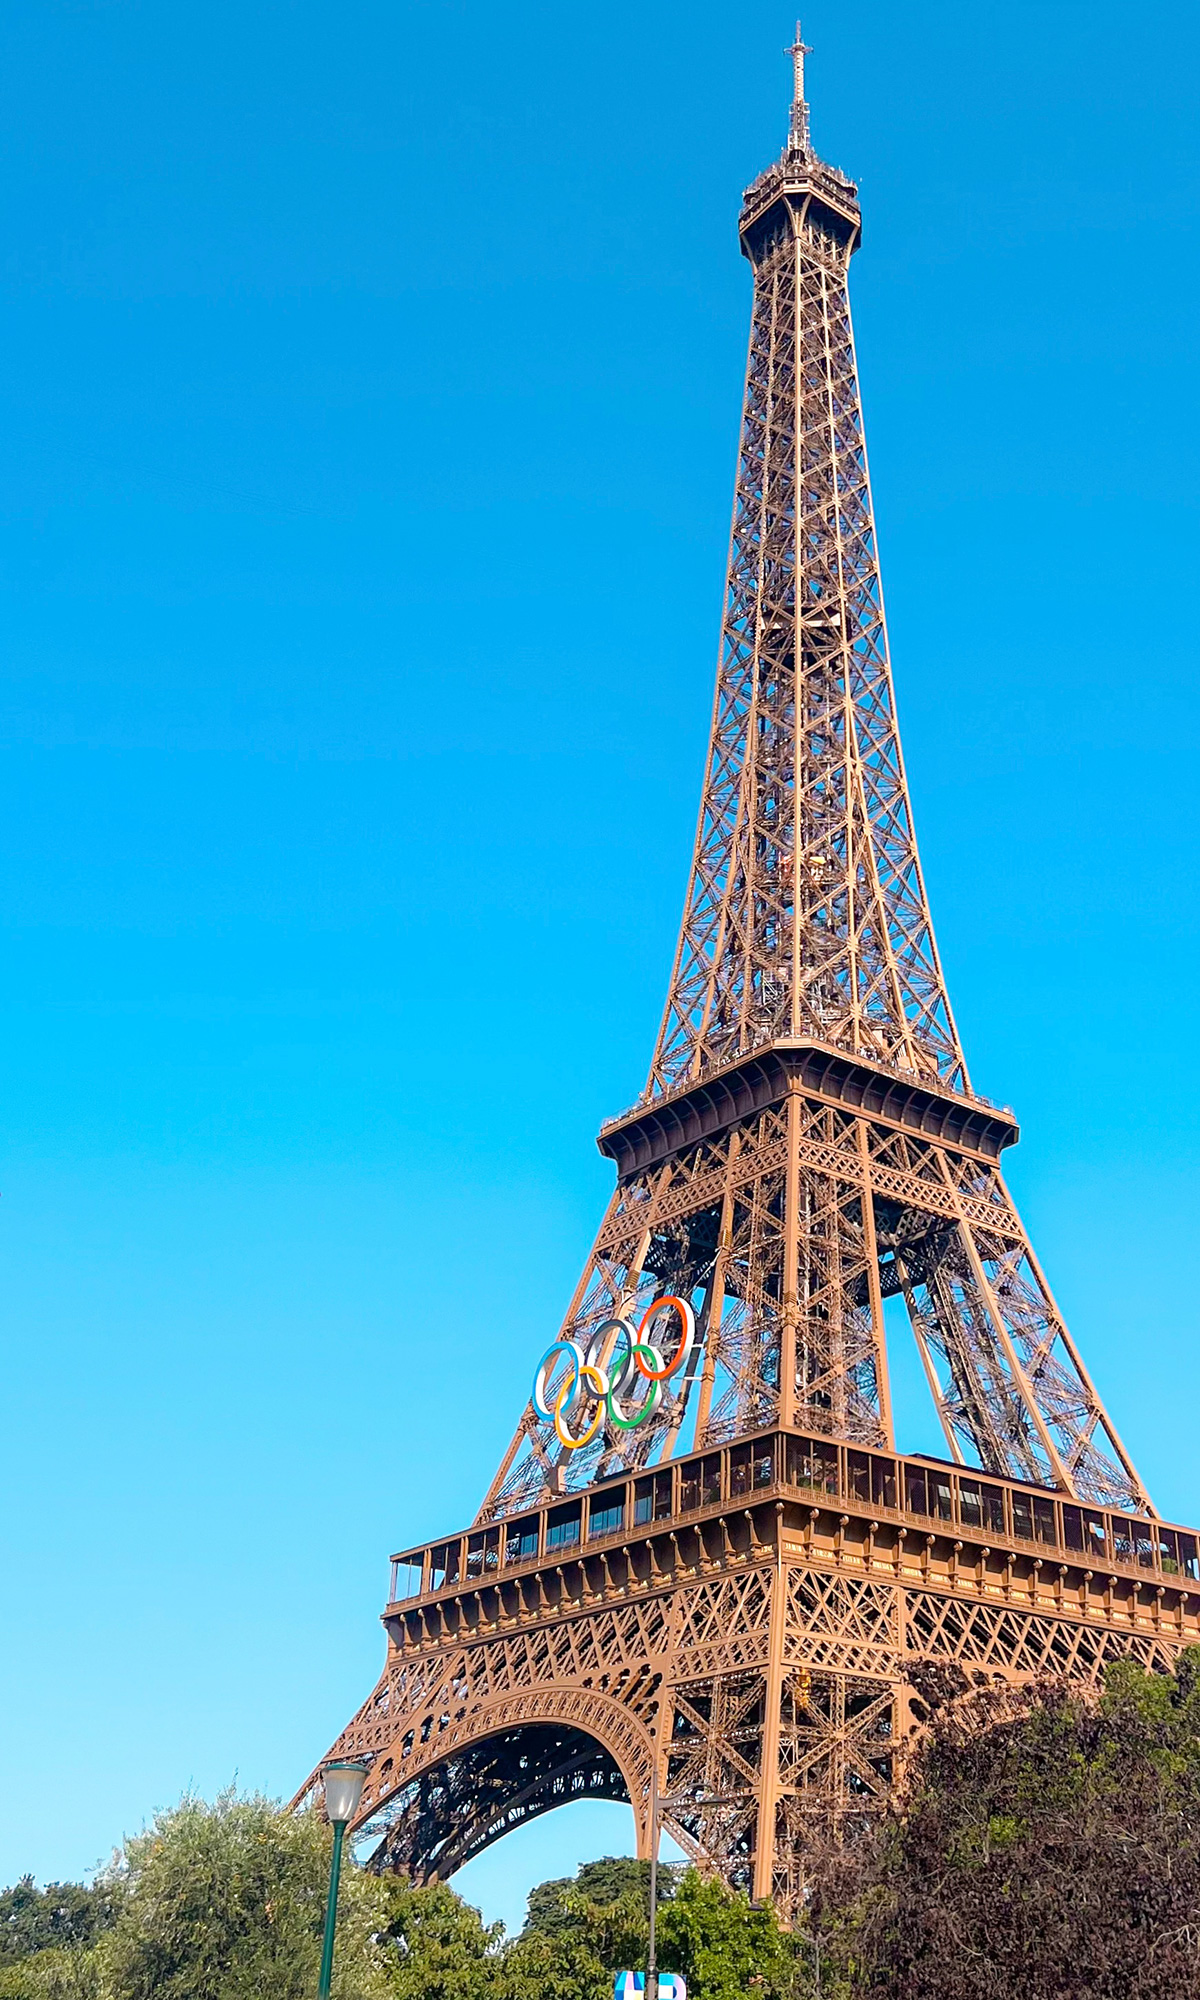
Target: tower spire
{"type": "Point", "coordinates": [799, 139]}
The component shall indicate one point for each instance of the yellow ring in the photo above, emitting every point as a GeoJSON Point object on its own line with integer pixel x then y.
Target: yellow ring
{"type": "Point", "coordinates": [600, 1385]}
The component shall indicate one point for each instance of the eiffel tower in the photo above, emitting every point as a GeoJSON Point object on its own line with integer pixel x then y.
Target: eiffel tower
{"type": "Point", "coordinates": [703, 1555]}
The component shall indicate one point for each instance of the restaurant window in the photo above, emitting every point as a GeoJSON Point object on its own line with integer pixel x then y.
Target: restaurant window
{"type": "Point", "coordinates": [858, 1475]}
{"type": "Point", "coordinates": [1043, 1521]}
{"type": "Point", "coordinates": [764, 1463]}
{"type": "Point", "coordinates": [521, 1539]}
{"type": "Point", "coordinates": [1187, 1557]}
{"type": "Point", "coordinates": [941, 1496]}
{"type": "Point", "coordinates": [883, 1482]}
{"type": "Point", "coordinates": [562, 1527]}
{"type": "Point", "coordinates": [407, 1578]}
{"type": "Point", "coordinates": [606, 1514]}
{"type": "Point", "coordinates": [811, 1462]}
{"type": "Point", "coordinates": [689, 1486]}
{"type": "Point", "coordinates": [1095, 1537]}
{"type": "Point", "coordinates": [916, 1497]}
{"type": "Point", "coordinates": [1073, 1528]}
{"type": "Point", "coordinates": [652, 1499]}
{"type": "Point", "coordinates": [483, 1553]}
{"type": "Point", "coordinates": [1123, 1539]}
{"type": "Point", "coordinates": [980, 1505]}
{"type": "Point", "coordinates": [710, 1479]}
{"type": "Point", "coordinates": [1144, 1543]}
{"type": "Point", "coordinates": [741, 1468]}
{"type": "Point", "coordinates": [443, 1564]}
{"type": "Point", "coordinates": [1022, 1506]}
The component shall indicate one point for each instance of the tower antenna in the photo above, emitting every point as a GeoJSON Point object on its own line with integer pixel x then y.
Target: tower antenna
{"type": "Point", "coordinates": [799, 139]}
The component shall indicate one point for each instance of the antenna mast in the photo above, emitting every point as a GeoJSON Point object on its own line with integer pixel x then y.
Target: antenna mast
{"type": "Point", "coordinates": [799, 139]}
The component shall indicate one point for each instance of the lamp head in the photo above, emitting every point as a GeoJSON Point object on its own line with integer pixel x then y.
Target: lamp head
{"type": "Point", "coordinates": [343, 1781]}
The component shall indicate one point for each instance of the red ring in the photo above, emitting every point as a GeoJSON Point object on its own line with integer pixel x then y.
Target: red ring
{"type": "Point", "coordinates": [685, 1312]}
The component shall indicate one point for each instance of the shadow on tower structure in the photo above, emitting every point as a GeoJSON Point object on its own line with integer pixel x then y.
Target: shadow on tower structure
{"type": "Point", "coordinates": [702, 1549]}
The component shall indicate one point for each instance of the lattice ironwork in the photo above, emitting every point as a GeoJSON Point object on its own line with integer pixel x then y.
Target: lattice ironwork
{"type": "Point", "coordinates": [806, 922]}
{"type": "Point", "coordinates": [808, 1145]}
{"type": "Point", "coordinates": [760, 1657]}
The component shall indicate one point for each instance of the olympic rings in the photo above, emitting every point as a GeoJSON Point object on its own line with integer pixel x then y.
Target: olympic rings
{"type": "Point", "coordinates": [592, 1373]}
{"type": "Point", "coordinates": [599, 1382]}
{"type": "Point", "coordinates": [575, 1352]}
{"type": "Point", "coordinates": [653, 1399]}
{"type": "Point", "coordinates": [687, 1334]}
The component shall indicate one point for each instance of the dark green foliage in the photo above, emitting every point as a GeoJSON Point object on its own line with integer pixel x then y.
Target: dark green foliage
{"type": "Point", "coordinates": [61, 1914]}
{"type": "Point", "coordinates": [439, 1947]}
{"type": "Point", "coordinates": [1049, 1850]}
{"type": "Point", "coordinates": [226, 1902]}
{"type": "Point", "coordinates": [724, 1948]}
{"type": "Point", "coordinates": [537, 1967]}
{"type": "Point", "coordinates": [554, 1908]}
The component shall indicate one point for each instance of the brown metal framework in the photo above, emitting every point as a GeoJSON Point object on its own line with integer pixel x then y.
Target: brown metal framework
{"type": "Point", "coordinates": [738, 1586]}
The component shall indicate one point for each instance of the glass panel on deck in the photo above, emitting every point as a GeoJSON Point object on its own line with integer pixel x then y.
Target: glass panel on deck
{"type": "Point", "coordinates": [858, 1475]}
{"type": "Point", "coordinates": [521, 1539]}
{"type": "Point", "coordinates": [1123, 1539]}
{"type": "Point", "coordinates": [407, 1577]}
{"type": "Point", "coordinates": [562, 1528]}
{"type": "Point", "coordinates": [883, 1482]}
{"type": "Point", "coordinates": [1044, 1526]}
{"type": "Point", "coordinates": [483, 1553]}
{"type": "Point", "coordinates": [1095, 1534]}
{"type": "Point", "coordinates": [443, 1564]}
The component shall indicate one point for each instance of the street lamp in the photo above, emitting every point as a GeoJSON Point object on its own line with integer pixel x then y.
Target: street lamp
{"type": "Point", "coordinates": [343, 1781]}
{"type": "Point", "coordinates": [652, 1953]}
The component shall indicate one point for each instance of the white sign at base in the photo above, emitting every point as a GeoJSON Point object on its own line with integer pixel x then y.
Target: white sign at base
{"type": "Point", "coordinates": [632, 1986]}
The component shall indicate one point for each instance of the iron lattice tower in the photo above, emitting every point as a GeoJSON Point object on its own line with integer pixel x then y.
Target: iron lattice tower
{"type": "Point", "coordinates": [737, 1585]}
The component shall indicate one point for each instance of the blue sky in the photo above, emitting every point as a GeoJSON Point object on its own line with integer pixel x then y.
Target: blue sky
{"type": "Point", "coordinates": [369, 381]}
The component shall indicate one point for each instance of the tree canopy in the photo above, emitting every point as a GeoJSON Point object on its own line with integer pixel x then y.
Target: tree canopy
{"type": "Point", "coordinates": [1047, 1847]}
{"type": "Point", "coordinates": [227, 1902]}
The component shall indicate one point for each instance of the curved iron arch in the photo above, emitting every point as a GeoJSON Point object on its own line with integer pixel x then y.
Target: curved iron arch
{"type": "Point", "coordinates": [460, 1805]}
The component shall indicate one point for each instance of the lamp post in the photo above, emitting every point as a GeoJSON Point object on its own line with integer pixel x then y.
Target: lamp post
{"type": "Point", "coordinates": [652, 1953]}
{"type": "Point", "coordinates": [343, 1781]}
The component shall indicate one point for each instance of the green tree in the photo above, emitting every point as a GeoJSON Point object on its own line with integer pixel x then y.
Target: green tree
{"type": "Point", "coordinates": [227, 1903]}
{"type": "Point", "coordinates": [439, 1947]}
{"type": "Point", "coordinates": [554, 1907]}
{"type": "Point", "coordinates": [61, 1914]}
{"type": "Point", "coordinates": [725, 1948]}
{"type": "Point", "coordinates": [536, 1966]}
{"type": "Point", "coordinates": [62, 1973]}
{"type": "Point", "coordinates": [604, 1908]}
{"type": "Point", "coordinates": [1049, 1848]}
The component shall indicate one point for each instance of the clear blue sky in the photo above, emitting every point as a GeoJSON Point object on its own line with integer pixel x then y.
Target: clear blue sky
{"type": "Point", "coordinates": [369, 382]}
